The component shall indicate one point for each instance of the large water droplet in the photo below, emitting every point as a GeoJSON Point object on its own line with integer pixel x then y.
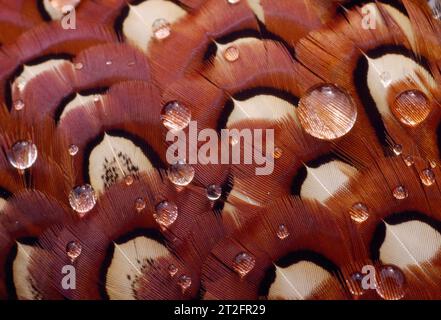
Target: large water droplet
{"type": "Point", "coordinates": [397, 149]}
{"type": "Point", "coordinates": [411, 107]}
{"type": "Point", "coordinates": [73, 250]}
{"type": "Point", "coordinates": [175, 116]}
{"type": "Point", "coordinates": [427, 177]}
{"type": "Point", "coordinates": [391, 283]}
{"type": "Point", "coordinates": [82, 199]}
{"type": "Point", "coordinates": [181, 173]}
{"type": "Point", "coordinates": [22, 155]}
{"type": "Point", "coordinates": [326, 112]}
{"type": "Point", "coordinates": [409, 161]}
{"type": "Point", "coordinates": [161, 29]}
{"type": "Point", "coordinates": [386, 78]}
{"type": "Point", "coordinates": [184, 282]}
{"type": "Point", "coordinates": [139, 204]}
{"type": "Point", "coordinates": [73, 150]}
{"type": "Point", "coordinates": [128, 179]}
{"type": "Point", "coordinates": [354, 284]}
{"type": "Point", "coordinates": [166, 213]}
{"type": "Point", "coordinates": [172, 270]}
{"type": "Point", "coordinates": [400, 193]}
{"type": "Point", "coordinates": [19, 105]}
{"type": "Point", "coordinates": [78, 66]}
{"type": "Point", "coordinates": [214, 192]}
{"type": "Point", "coordinates": [359, 212]}
{"type": "Point", "coordinates": [243, 263]}
{"type": "Point", "coordinates": [231, 54]}
{"type": "Point", "coordinates": [282, 232]}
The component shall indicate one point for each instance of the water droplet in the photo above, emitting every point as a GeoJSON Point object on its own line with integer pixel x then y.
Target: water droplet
{"type": "Point", "coordinates": [78, 66]}
{"type": "Point", "coordinates": [109, 62]}
{"type": "Point", "coordinates": [409, 161]}
{"type": "Point", "coordinates": [397, 149]}
{"type": "Point", "coordinates": [243, 263]}
{"type": "Point", "coordinates": [233, 1]}
{"type": "Point", "coordinates": [214, 192]}
{"type": "Point", "coordinates": [359, 212]}
{"type": "Point", "coordinates": [82, 199]}
{"type": "Point", "coordinates": [128, 179]}
{"type": "Point", "coordinates": [73, 150]}
{"type": "Point", "coordinates": [23, 155]}
{"type": "Point", "coordinates": [231, 54]}
{"type": "Point", "coordinates": [400, 193]}
{"type": "Point", "coordinates": [161, 29]}
{"type": "Point", "coordinates": [326, 112]}
{"type": "Point", "coordinates": [411, 107]}
{"type": "Point", "coordinates": [282, 232]}
{"type": "Point", "coordinates": [436, 8]}
{"type": "Point", "coordinates": [73, 250]}
{"type": "Point", "coordinates": [19, 105]}
{"type": "Point", "coordinates": [432, 164]}
{"type": "Point", "coordinates": [278, 152]}
{"type": "Point", "coordinates": [184, 282]}
{"type": "Point", "coordinates": [181, 173]}
{"type": "Point", "coordinates": [96, 98]}
{"type": "Point", "coordinates": [139, 204]}
{"type": "Point", "coordinates": [172, 270]}
{"type": "Point", "coordinates": [386, 78]}
{"type": "Point", "coordinates": [175, 116]}
{"type": "Point", "coordinates": [131, 64]}
{"type": "Point", "coordinates": [391, 283]}
{"type": "Point", "coordinates": [354, 284]}
{"type": "Point", "coordinates": [166, 213]}
{"type": "Point", "coordinates": [427, 177]}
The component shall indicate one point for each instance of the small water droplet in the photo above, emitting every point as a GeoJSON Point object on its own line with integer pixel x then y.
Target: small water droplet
{"type": "Point", "coordinates": [131, 64]}
{"type": "Point", "coordinates": [214, 192]}
{"type": "Point", "coordinates": [231, 54]}
{"type": "Point", "coordinates": [172, 270]}
{"type": "Point", "coordinates": [139, 204]}
{"type": "Point", "coordinates": [82, 199]}
{"type": "Point", "coordinates": [397, 149]}
{"type": "Point", "coordinates": [411, 107]}
{"type": "Point", "coordinates": [354, 284]}
{"type": "Point", "coordinates": [326, 112]}
{"type": "Point", "coordinates": [128, 179]}
{"type": "Point", "coordinates": [278, 152]}
{"type": "Point", "coordinates": [19, 105]}
{"type": "Point", "coordinates": [386, 78]}
{"type": "Point", "coordinates": [96, 98]}
{"type": "Point", "coordinates": [400, 193]}
{"type": "Point", "coordinates": [73, 250]}
{"type": "Point", "coordinates": [391, 283]}
{"type": "Point", "coordinates": [184, 282]}
{"type": "Point", "coordinates": [23, 155]}
{"type": "Point", "coordinates": [161, 29]}
{"type": "Point", "coordinates": [409, 161]}
{"type": "Point", "coordinates": [175, 116]}
{"type": "Point", "coordinates": [181, 173]}
{"type": "Point", "coordinates": [427, 177]}
{"type": "Point", "coordinates": [359, 212]}
{"type": "Point", "coordinates": [109, 62]}
{"type": "Point", "coordinates": [233, 1]}
{"type": "Point", "coordinates": [243, 263]}
{"type": "Point", "coordinates": [432, 164]}
{"type": "Point", "coordinates": [282, 232]}
{"type": "Point", "coordinates": [73, 149]}
{"type": "Point", "coordinates": [166, 213]}
{"type": "Point", "coordinates": [78, 66]}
